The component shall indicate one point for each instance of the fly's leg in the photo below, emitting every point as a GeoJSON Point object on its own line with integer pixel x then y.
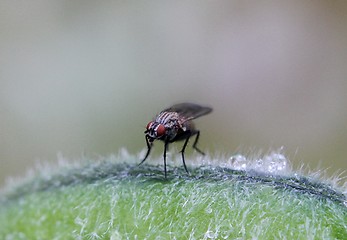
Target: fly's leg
{"type": "Point", "coordinates": [165, 148]}
{"type": "Point", "coordinates": [149, 146]}
{"type": "Point", "coordinates": [182, 152]}
{"type": "Point", "coordinates": [196, 142]}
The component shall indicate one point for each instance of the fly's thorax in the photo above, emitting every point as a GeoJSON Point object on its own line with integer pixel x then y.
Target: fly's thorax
{"type": "Point", "coordinates": [168, 119]}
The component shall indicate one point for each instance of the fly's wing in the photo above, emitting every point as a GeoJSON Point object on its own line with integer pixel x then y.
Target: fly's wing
{"type": "Point", "coordinates": [189, 110]}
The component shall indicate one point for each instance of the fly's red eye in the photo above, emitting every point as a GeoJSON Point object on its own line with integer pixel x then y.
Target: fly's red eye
{"type": "Point", "coordinates": [149, 125]}
{"type": "Point", "coordinates": [161, 130]}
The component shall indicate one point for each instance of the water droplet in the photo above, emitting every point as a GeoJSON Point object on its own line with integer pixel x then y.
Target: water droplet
{"type": "Point", "coordinates": [239, 162]}
{"type": "Point", "coordinates": [275, 162]}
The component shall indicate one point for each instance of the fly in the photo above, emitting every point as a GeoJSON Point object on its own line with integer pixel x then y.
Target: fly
{"type": "Point", "coordinates": [175, 124]}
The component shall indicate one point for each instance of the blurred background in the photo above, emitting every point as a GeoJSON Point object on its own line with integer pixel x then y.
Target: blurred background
{"type": "Point", "coordinates": [85, 77]}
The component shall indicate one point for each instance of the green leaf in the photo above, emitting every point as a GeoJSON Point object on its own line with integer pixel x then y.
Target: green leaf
{"type": "Point", "coordinates": [113, 200]}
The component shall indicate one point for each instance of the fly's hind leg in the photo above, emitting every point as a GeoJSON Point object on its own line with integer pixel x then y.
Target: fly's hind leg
{"type": "Point", "coordinates": [182, 152]}
{"type": "Point", "coordinates": [196, 142]}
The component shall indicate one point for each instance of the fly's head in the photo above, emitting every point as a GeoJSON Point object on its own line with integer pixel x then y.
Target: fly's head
{"type": "Point", "coordinates": [165, 127]}
{"type": "Point", "coordinates": [155, 130]}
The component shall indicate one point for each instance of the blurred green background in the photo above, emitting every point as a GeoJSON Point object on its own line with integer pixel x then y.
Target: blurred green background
{"type": "Point", "coordinates": [85, 77]}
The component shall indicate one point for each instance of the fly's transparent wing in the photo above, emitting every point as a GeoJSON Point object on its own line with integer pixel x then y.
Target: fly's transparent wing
{"type": "Point", "coordinates": [189, 110]}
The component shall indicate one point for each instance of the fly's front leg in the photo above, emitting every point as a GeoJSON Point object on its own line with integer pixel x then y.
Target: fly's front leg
{"type": "Point", "coordinates": [165, 148]}
{"type": "Point", "coordinates": [149, 147]}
